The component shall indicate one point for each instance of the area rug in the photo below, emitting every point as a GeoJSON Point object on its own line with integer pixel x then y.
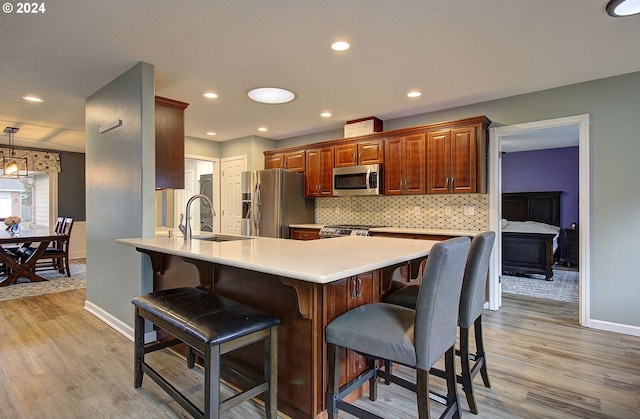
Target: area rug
{"type": "Point", "coordinates": [57, 282]}
{"type": "Point", "coordinates": [564, 287]}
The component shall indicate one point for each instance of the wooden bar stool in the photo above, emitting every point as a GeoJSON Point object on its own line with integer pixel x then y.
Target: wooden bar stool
{"type": "Point", "coordinates": [210, 325]}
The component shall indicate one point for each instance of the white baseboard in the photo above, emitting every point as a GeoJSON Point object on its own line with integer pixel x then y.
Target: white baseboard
{"type": "Point", "coordinates": [614, 327]}
{"type": "Point", "coordinates": [117, 324]}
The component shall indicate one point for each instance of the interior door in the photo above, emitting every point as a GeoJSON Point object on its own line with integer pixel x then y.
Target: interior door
{"type": "Point", "coordinates": [231, 194]}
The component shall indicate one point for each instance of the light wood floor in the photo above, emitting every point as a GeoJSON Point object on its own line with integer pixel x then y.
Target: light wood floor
{"type": "Point", "coordinates": [59, 361]}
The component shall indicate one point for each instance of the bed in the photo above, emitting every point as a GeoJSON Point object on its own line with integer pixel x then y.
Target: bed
{"type": "Point", "coordinates": [530, 231]}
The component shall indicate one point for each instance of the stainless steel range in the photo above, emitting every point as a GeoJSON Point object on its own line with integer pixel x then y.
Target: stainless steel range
{"type": "Point", "coordinates": [344, 230]}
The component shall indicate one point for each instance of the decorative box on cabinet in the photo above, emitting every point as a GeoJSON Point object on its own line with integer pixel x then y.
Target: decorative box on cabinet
{"type": "Point", "coordinates": [169, 115]}
{"type": "Point", "coordinates": [365, 152]}
{"type": "Point", "coordinates": [293, 160]}
{"type": "Point", "coordinates": [318, 178]}
{"type": "Point", "coordinates": [404, 168]}
{"type": "Point", "coordinates": [457, 157]}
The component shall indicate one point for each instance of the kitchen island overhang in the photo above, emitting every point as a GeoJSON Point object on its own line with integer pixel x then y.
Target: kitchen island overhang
{"type": "Point", "coordinates": [305, 283]}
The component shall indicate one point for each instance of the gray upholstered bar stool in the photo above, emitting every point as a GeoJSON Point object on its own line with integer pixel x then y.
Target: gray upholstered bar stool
{"type": "Point", "coordinates": [415, 338]}
{"type": "Point", "coordinates": [472, 301]}
{"type": "Point", "coordinates": [211, 326]}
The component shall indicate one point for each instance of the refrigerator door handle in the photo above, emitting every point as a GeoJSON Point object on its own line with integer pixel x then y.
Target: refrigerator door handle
{"type": "Point", "coordinates": [256, 208]}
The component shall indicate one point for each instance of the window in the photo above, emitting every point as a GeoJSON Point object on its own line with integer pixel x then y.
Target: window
{"type": "Point", "coordinates": [28, 198]}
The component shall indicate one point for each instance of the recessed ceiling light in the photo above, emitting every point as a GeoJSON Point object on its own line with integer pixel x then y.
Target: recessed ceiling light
{"type": "Point", "coordinates": [623, 8]}
{"type": "Point", "coordinates": [414, 94]}
{"type": "Point", "coordinates": [211, 95]}
{"type": "Point", "coordinates": [340, 46]}
{"type": "Point", "coordinates": [32, 99]}
{"type": "Point", "coordinates": [211, 133]}
{"type": "Point", "coordinates": [325, 114]}
{"type": "Point", "coordinates": [263, 129]}
{"type": "Point", "coordinates": [271, 95]}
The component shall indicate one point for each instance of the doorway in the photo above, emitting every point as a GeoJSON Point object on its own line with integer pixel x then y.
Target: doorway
{"type": "Point", "coordinates": [500, 134]}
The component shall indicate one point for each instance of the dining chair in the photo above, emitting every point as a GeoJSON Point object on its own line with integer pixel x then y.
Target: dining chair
{"type": "Point", "coordinates": [56, 257]}
{"type": "Point", "coordinates": [415, 338]}
{"type": "Point", "coordinates": [472, 299]}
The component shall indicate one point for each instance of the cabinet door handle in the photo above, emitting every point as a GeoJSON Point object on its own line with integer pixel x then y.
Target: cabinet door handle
{"type": "Point", "coordinates": [453, 180]}
{"type": "Point", "coordinates": [352, 288]}
{"type": "Point", "coordinates": [359, 287]}
{"type": "Point", "coordinates": [355, 157]}
{"type": "Point", "coordinates": [446, 183]}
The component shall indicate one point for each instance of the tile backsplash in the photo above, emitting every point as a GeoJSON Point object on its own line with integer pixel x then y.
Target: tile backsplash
{"type": "Point", "coordinates": [411, 211]}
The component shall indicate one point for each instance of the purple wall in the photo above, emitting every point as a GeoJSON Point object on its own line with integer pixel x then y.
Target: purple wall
{"type": "Point", "coordinates": [554, 169]}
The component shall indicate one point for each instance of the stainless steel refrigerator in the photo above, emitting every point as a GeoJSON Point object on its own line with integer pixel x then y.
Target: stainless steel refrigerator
{"type": "Point", "coordinates": [273, 199]}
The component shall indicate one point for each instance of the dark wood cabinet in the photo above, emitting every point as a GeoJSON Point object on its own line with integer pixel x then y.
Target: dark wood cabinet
{"type": "Point", "coordinates": [572, 247]}
{"type": "Point", "coordinates": [352, 154]}
{"type": "Point", "coordinates": [404, 169]}
{"type": "Point", "coordinates": [319, 172]}
{"type": "Point", "coordinates": [169, 115]}
{"type": "Point", "coordinates": [294, 161]}
{"type": "Point", "coordinates": [446, 157]}
{"type": "Point", "coordinates": [345, 295]}
{"type": "Point", "coordinates": [456, 158]}
{"type": "Point", "coordinates": [298, 233]}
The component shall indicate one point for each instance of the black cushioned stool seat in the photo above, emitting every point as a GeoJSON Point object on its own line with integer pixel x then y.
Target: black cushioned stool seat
{"type": "Point", "coordinates": [210, 325]}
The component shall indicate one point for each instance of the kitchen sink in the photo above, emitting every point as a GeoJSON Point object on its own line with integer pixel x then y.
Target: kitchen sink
{"type": "Point", "coordinates": [222, 238]}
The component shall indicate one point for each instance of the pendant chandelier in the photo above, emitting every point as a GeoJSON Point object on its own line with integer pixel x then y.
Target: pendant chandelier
{"type": "Point", "coordinates": [12, 167]}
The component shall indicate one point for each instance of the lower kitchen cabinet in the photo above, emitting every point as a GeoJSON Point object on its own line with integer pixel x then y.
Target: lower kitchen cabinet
{"type": "Point", "coordinates": [342, 296]}
{"type": "Point", "coordinates": [305, 233]}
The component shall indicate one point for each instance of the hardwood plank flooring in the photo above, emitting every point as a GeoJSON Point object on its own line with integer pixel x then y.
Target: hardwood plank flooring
{"type": "Point", "coordinates": [59, 361]}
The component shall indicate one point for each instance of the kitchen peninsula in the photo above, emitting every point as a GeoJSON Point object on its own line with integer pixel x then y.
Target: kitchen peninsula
{"type": "Point", "coordinates": [305, 283]}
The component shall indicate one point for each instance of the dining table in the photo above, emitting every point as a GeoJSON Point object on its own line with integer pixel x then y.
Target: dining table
{"type": "Point", "coordinates": [16, 267]}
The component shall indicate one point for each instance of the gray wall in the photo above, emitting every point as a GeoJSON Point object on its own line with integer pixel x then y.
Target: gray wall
{"type": "Point", "coordinates": [120, 183]}
{"type": "Point", "coordinates": [252, 146]}
{"type": "Point", "coordinates": [199, 147]}
{"type": "Point", "coordinates": [613, 105]}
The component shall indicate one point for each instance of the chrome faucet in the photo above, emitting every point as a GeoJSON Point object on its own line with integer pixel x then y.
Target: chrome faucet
{"type": "Point", "coordinates": [186, 229]}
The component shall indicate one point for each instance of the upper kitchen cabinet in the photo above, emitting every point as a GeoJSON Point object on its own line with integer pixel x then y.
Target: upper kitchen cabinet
{"type": "Point", "coordinates": [356, 153]}
{"type": "Point", "coordinates": [404, 167]}
{"type": "Point", "coordinates": [457, 156]}
{"type": "Point", "coordinates": [319, 174]}
{"type": "Point", "coordinates": [169, 116]}
{"type": "Point", "coordinates": [292, 160]}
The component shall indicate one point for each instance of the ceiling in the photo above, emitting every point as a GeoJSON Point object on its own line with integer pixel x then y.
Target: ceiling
{"type": "Point", "coordinates": [455, 52]}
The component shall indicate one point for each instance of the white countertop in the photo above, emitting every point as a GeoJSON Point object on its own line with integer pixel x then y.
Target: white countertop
{"type": "Point", "coordinates": [319, 261]}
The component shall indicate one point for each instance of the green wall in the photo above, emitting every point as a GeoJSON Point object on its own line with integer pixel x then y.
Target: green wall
{"type": "Point", "coordinates": [71, 186]}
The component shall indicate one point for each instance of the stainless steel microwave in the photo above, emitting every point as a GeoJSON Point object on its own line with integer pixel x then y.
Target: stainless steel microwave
{"type": "Point", "coordinates": [357, 180]}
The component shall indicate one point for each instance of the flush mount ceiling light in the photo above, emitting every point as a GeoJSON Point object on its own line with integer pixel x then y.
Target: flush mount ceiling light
{"type": "Point", "coordinates": [623, 8]}
{"type": "Point", "coordinates": [12, 167]}
{"type": "Point", "coordinates": [271, 95]}
{"type": "Point", "coordinates": [211, 133]}
{"type": "Point", "coordinates": [414, 94]}
{"type": "Point", "coordinates": [210, 95]}
{"type": "Point", "coordinates": [263, 129]}
{"type": "Point", "coordinates": [326, 114]}
{"type": "Point", "coordinates": [32, 99]}
{"type": "Point", "coordinates": [340, 46]}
